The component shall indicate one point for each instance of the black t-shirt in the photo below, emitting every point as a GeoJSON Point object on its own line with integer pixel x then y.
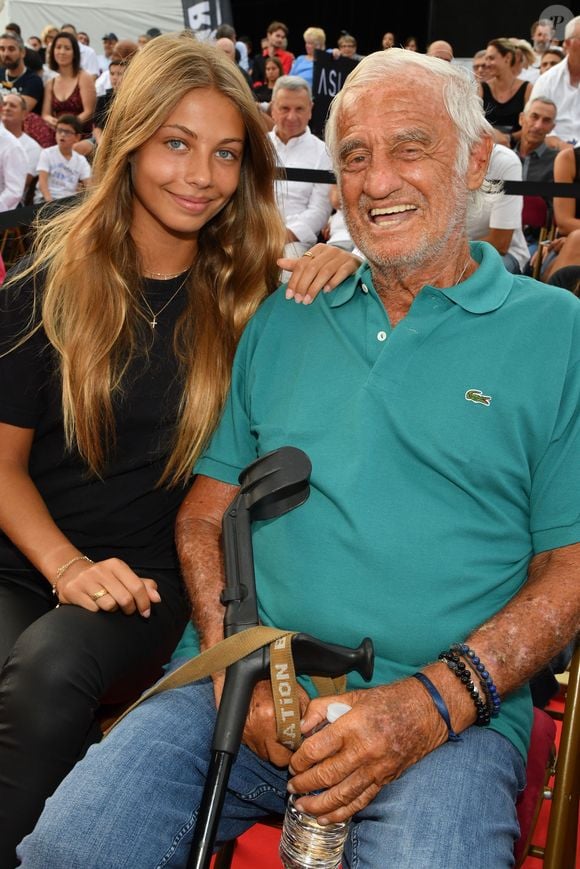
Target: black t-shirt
{"type": "Point", "coordinates": [29, 84]}
{"type": "Point", "coordinates": [125, 514]}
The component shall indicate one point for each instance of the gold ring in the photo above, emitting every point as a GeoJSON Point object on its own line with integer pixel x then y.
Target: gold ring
{"type": "Point", "coordinates": [98, 594]}
{"type": "Point", "coordinates": [308, 253]}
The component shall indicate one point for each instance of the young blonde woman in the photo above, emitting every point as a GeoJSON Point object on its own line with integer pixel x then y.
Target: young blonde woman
{"type": "Point", "coordinates": [116, 343]}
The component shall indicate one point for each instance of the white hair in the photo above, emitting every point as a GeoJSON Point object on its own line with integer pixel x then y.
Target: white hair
{"type": "Point", "coordinates": [540, 99]}
{"type": "Point", "coordinates": [571, 27]}
{"type": "Point", "coordinates": [545, 22]}
{"type": "Point", "coordinates": [462, 101]}
{"type": "Point", "coordinates": [291, 83]}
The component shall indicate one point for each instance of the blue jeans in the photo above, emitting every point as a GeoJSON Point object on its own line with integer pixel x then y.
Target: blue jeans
{"type": "Point", "coordinates": [132, 802]}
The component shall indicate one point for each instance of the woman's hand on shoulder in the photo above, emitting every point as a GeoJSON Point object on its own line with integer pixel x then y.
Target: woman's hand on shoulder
{"type": "Point", "coordinates": [323, 267]}
{"type": "Point", "coordinates": [123, 589]}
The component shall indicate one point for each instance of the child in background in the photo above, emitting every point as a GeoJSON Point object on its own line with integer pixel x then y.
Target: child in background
{"type": "Point", "coordinates": [61, 171]}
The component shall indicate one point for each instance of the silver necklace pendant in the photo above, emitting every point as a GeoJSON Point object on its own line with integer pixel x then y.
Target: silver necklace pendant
{"type": "Point", "coordinates": [153, 322]}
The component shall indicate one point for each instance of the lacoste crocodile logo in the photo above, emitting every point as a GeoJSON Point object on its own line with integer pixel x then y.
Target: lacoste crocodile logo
{"type": "Point", "coordinates": [477, 396]}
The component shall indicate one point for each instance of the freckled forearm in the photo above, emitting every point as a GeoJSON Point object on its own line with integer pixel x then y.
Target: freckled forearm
{"type": "Point", "coordinates": [198, 540]}
{"type": "Point", "coordinates": [523, 637]}
{"type": "Point", "coordinates": [200, 556]}
{"type": "Point", "coordinates": [542, 618]}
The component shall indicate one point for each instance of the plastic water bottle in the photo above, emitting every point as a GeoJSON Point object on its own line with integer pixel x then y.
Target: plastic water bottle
{"type": "Point", "coordinates": [306, 844]}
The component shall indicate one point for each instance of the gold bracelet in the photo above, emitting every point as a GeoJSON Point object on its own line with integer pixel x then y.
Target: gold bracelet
{"type": "Point", "coordinates": [64, 567]}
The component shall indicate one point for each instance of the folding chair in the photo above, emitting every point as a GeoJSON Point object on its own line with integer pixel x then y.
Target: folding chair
{"type": "Point", "coordinates": [560, 849]}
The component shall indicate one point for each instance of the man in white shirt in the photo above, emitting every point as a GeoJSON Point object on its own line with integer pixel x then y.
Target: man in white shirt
{"type": "Point", "coordinates": [14, 112]}
{"type": "Point", "coordinates": [561, 84]}
{"type": "Point", "coordinates": [12, 171]}
{"type": "Point", "coordinates": [497, 217]}
{"type": "Point", "coordinates": [305, 207]}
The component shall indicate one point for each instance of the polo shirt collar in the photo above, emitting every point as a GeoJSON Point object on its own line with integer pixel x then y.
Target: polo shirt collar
{"type": "Point", "coordinates": [346, 290]}
{"type": "Point", "coordinates": [540, 149]}
{"type": "Point", "coordinates": [484, 291]}
{"type": "Point", "coordinates": [536, 151]}
{"type": "Point", "coordinates": [487, 288]}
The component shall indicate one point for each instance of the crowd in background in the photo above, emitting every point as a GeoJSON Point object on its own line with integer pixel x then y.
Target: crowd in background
{"type": "Point", "coordinates": [143, 289]}
{"type": "Point", "coordinates": [57, 90]}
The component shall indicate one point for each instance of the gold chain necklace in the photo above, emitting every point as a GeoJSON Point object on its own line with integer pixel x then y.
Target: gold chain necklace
{"type": "Point", "coordinates": [155, 314]}
{"type": "Point", "coordinates": [162, 276]}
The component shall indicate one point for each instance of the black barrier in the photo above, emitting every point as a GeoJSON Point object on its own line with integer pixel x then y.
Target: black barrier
{"type": "Point", "coordinates": [25, 216]}
{"type": "Point", "coordinates": [547, 189]}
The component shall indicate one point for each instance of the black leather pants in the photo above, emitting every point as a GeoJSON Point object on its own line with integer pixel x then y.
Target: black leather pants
{"type": "Point", "coordinates": [57, 667]}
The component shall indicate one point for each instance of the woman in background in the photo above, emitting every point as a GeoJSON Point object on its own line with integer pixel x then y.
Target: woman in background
{"type": "Point", "coordinates": [272, 71]}
{"type": "Point", "coordinates": [72, 90]}
{"type": "Point", "coordinates": [504, 95]}
{"type": "Point", "coordinates": [314, 39]}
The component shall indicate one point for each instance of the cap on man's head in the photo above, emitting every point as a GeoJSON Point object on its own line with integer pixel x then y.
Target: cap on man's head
{"type": "Point", "coordinates": [110, 37]}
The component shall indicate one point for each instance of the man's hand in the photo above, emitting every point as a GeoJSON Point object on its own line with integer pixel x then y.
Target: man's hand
{"type": "Point", "coordinates": [260, 730]}
{"type": "Point", "coordinates": [389, 729]}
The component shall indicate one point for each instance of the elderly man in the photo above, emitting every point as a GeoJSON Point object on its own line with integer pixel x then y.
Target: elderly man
{"type": "Point", "coordinates": [561, 84]}
{"type": "Point", "coordinates": [542, 33]}
{"type": "Point", "coordinates": [305, 207]}
{"type": "Point", "coordinates": [444, 508]}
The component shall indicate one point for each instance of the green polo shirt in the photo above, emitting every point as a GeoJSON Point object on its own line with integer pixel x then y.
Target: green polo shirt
{"type": "Point", "coordinates": [444, 453]}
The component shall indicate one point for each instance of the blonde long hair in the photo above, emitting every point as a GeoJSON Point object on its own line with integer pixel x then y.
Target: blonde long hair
{"type": "Point", "coordinates": [92, 286]}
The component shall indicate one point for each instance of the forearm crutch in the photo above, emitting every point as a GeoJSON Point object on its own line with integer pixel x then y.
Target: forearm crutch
{"type": "Point", "coordinates": [270, 487]}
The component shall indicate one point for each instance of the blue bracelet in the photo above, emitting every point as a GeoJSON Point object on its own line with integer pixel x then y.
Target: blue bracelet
{"type": "Point", "coordinates": [493, 698]}
{"type": "Point", "coordinates": [440, 705]}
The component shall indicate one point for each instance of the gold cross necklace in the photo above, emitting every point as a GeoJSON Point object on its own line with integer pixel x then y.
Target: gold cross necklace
{"type": "Point", "coordinates": [155, 314]}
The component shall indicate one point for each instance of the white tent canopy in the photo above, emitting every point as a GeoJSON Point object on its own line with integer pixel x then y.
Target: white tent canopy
{"type": "Point", "coordinates": [126, 18]}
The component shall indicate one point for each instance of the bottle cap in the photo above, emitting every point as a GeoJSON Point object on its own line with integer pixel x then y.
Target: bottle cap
{"type": "Point", "coordinates": [335, 710]}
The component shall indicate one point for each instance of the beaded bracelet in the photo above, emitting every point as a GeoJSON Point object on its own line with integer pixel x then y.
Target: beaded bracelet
{"type": "Point", "coordinates": [440, 705]}
{"type": "Point", "coordinates": [457, 667]}
{"type": "Point", "coordinates": [494, 700]}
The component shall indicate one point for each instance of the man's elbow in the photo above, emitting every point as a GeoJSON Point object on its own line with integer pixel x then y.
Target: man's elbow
{"type": "Point", "coordinates": [203, 508]}
{"type": "Point", "coordinates": [500, 239]}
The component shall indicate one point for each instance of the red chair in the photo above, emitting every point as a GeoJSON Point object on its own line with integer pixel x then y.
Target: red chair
{"type": "Point", "coordinates": [539, 768]}
{"type": "Point", "coordinates": [535, 212]}
{"type": "Point", "coordinates": [561, 841]}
